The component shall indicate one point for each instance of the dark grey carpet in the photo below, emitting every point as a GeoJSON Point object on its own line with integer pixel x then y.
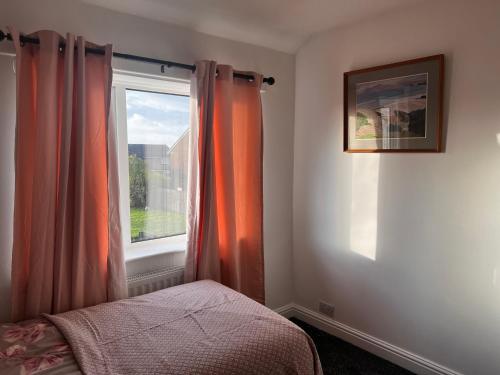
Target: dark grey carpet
{"type": "Point", "coordinates": [341, 358]}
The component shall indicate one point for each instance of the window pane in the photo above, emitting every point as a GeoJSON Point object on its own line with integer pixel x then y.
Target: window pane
{"type": "Point", "coordinates": [158, 141]}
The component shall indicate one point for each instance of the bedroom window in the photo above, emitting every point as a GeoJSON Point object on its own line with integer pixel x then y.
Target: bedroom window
{"type": "Point", "coordinates": [153, 134]}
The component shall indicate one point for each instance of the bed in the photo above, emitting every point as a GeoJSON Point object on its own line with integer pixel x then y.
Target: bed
{"type": "Point", "coordinates": [196, 328]}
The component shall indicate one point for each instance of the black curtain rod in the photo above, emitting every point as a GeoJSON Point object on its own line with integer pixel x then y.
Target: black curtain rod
{"type": "Point", "coordinates": [169, 64]}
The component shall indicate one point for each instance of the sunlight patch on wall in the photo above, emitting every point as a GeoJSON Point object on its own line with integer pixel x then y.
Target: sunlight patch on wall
{"type": "Point", "coordinates": [364, 204]}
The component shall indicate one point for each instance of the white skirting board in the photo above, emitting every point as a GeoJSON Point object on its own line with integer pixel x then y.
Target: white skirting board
{"type": "Point", "coordinates": [380, 348]}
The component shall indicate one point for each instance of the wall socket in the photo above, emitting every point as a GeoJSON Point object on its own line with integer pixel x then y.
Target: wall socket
{"type": "Point", "coordinates": [326, 309]}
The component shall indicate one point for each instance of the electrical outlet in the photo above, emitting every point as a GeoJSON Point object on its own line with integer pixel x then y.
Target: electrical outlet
{"type": "Point", "coordinates": [326, 309]}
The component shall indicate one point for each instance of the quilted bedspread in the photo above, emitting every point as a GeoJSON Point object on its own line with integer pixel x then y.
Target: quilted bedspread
{"type": "Point", "coordinates": [197, 328]}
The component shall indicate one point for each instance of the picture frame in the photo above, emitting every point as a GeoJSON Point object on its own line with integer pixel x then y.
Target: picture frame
{"type": "Point", "coordinates": [395, 107]}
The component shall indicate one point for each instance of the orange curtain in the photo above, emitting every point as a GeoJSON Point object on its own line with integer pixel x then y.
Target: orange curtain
{"type": "Point", "coordinates": [225, 241]}
{"type": "Point", "coordinates": [67, 249]}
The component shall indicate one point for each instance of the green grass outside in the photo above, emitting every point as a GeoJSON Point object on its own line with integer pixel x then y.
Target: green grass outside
{"type": "Point", "coordinates": [155, 223]}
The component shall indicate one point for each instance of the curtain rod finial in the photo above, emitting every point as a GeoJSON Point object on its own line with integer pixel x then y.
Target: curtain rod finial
{"type": "Point", "coordinates": [270, 81]}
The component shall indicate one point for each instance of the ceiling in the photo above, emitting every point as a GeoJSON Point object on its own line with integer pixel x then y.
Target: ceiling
{"type": "Point", "coordinates": [278, 24]}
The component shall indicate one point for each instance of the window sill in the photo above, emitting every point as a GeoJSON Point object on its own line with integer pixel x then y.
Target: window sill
{"type": "Point", "coordinates": [152, 248]}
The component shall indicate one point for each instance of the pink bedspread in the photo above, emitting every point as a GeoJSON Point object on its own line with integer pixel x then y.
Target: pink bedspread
{"type": "Point", "coordinates": [196, 328]}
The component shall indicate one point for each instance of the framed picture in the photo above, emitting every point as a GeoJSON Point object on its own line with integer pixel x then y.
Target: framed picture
{"type": "Point", "coordinates": [395, 108]}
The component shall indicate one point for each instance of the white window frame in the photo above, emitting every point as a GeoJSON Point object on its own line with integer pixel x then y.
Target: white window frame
{"type": "Point", "coordinates": [123, 80]}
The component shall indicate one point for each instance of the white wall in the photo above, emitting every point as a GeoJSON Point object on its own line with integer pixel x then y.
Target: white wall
{"type": "Point", "coordinates": [134, 35]}
{"type": "Point", "coordinates": [430, 220]}
{"type": "Point", "coordinates": [7, 119]}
